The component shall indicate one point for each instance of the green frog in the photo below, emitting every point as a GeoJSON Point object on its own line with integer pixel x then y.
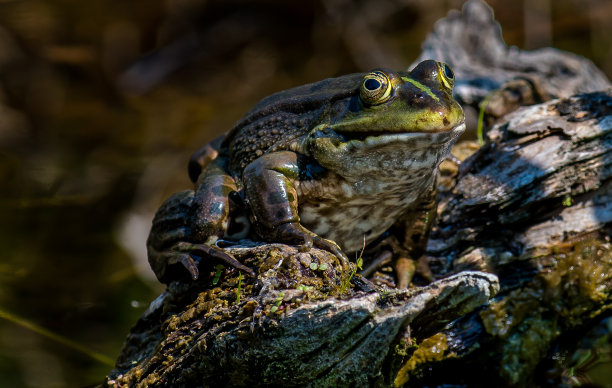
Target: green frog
{"type": "Point", "coordinates": [336, 164]}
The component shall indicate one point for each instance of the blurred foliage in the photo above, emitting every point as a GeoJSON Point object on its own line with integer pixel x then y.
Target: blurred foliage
{"type": "Point", "coordinates": [102, 102]}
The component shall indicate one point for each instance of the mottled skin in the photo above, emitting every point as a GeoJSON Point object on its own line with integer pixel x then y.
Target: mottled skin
{"type": "Point", "coordinates": [327, 164]}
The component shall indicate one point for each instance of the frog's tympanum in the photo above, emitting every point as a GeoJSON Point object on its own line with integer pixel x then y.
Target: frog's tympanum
{"type": "Point", "coordinates": [328, 164]}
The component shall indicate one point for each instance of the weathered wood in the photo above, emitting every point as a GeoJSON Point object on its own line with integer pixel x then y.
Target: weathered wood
{"type": "Point", "coordinates": [532, 208]}
{"type": "Point", "coordinates": [485, 68]}
{"type": "Point", "coordinates": [309, 338]}
{"type": "Point", "coordinates": [471, 41]}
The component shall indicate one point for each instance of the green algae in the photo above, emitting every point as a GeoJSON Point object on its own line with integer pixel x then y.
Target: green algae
{"type": "Point", "coordinates": [573, 289]}
{"type": "Point", "coordinates": [285, 281]}
{"type": "Point", "coordinates": [432, 349]}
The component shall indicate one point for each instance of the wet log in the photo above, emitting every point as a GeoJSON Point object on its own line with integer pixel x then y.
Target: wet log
{"type": "Point", "coordinates": [521, 257]}
{"type": "Point", "coordinates": [534, 207]}
{"type": "Point", "coordinates": [287, 329]}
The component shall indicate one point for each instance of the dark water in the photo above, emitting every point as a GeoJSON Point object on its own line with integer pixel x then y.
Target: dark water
{"type": "Point", "coordinates": [101, 104]}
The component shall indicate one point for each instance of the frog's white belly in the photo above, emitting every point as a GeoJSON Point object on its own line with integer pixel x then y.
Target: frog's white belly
{"type": "Point", "coordinates": [362, 209]}
{"type": "Point", "coordinates": [371, 184]}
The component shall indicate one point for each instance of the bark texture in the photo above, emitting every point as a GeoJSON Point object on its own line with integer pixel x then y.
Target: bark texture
{"type": "Point", "coordinates": [534, 207]}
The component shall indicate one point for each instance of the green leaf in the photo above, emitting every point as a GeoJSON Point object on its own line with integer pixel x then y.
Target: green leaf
{"type": "Point", "coordinates": [238, 290]}
{"type": "Point", "coordinates": [567, 201]}
{"type": "Point", "coordinates": [219, 270]}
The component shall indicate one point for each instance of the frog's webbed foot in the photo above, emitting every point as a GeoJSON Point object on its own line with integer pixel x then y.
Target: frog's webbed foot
{"type": "Point", "coordinates": [189, 256]}
{"type": "Point", "coordinates": [404, 269]}
{"type": "Point", "coordinates": [453, 159]}
{"type": "Point", "coordinates": [294, 232]}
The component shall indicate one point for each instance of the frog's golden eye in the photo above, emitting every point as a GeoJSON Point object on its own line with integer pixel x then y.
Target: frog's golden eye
{"type": "Point", "coordinates": [375, 88]}
{"type": "Point", "coordinates": [448, 77]}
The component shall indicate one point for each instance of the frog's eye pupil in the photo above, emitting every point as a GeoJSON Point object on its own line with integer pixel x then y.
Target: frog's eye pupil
{"type": "Point", "coordinates": [448, 72]}
{"type": "Point", "coordinates": [372, 84]}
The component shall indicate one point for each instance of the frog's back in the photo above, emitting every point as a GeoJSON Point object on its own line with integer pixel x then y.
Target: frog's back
{"type": "Point", "coordinates": [279, 120]}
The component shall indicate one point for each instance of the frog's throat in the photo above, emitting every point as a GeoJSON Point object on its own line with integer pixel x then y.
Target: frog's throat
{"type": "Point", "coordinates": [409, 141]}
{"type": "Point", "coordinates": [405, 152]}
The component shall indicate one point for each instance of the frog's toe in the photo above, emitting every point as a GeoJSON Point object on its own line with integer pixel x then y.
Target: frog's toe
{"type": "Point", "coordinates": [168, 264]}
{"type": "Point", "coordinates": [295, 232]}
{"type": "Point", "coordinates": [228, 259]}
{"type": "Point", "coordinates": [332, 247]}
{"type": "Point", "coordinates": [404, 268]}
{"type": "Point", "coordinates": [204, 250]}
{"type": "Point", "coordinates": [188, 262]}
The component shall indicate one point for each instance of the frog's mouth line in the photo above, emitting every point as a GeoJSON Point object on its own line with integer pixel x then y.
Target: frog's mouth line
{"type": "Point", "coordinates": [381, 137]}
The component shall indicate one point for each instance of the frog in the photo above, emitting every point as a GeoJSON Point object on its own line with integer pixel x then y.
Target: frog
{"type": "Point", "coordinates": [338, 165]}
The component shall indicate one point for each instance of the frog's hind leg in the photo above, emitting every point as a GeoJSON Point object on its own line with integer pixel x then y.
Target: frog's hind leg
{"type": "Point", "coordinates": [170, 225]}
{"type": "Point", "coordinates": [188, 225]}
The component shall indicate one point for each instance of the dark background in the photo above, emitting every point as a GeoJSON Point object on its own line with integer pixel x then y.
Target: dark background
{"type": "Point", "coordinates": [102, 103]}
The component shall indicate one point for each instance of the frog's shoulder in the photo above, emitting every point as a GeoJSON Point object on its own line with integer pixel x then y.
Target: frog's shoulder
{"type": "Point", "coordinates": [277, 120]}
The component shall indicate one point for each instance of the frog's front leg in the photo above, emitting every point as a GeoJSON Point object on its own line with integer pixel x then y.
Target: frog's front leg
{"type": "Point", "coordinates": [272, 197]}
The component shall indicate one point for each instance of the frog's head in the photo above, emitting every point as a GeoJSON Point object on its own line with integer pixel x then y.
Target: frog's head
{"type": "Point", "coordinates": [395, 121]}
